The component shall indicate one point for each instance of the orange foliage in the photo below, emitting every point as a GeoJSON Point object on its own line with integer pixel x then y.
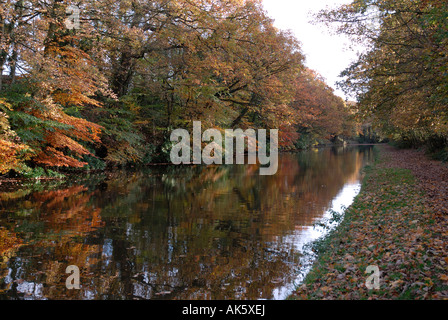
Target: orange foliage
{"type": "Point", "coordinates": [56, 141]}
{"type": "Point", "coordinates": [12, 152]}
{"type": "Point", "coordinates": [316, 107]}
{"type": "Point", "coordinates": [9, 155]}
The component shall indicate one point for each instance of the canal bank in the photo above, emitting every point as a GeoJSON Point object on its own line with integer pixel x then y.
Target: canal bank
{"type": "Point", "coordinates": [172, 232]}
{"type": "Point", "coordinates": [397, 225]}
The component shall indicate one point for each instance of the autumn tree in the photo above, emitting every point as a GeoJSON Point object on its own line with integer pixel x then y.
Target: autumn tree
{"type": "Point", "coordinates": [317, 112]}
{"type": "Point", "coordinates": [401, 81]}
{"type": "Point", "coordinates": [13, 152]}
{"type": "Point", "coordinates": [110, 90]}
{"type": "Point", "coordinates": [60, 73]}
{"type": "Point", "coordinates": [222, 62]}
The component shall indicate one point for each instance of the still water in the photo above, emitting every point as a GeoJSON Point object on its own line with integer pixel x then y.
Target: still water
{"type": "Point", "coordinates": [218, 232]}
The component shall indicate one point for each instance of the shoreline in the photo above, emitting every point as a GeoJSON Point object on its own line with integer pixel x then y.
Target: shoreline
{"type": "Point", "coordinates": [71, 172]}
{"type": "Point", "coordinates": [395, 224]}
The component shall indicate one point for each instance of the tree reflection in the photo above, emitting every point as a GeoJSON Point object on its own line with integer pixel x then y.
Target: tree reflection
{"type": "Point", "coordinates": [172, 232]}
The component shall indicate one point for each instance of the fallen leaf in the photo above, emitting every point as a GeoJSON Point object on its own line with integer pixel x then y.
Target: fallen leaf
{"type": "Point", "coordinates": [444, 277]}
{"type": "Point", "coordinates": [396, 283]}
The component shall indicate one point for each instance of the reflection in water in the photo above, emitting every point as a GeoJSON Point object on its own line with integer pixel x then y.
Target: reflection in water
{"type": "Point", "coordinates": [300, 237]}
{"type": "Point", "coordinates": [218, 232]}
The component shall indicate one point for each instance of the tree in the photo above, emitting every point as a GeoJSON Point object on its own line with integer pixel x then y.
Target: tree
{"type": "Point", "coordinates": [13, 153]}
{"type": "Point", "coordinates": [61, 74]}
{"type": "Point", "coordinates": [401, 81]}
{"type": "Point", "coordinates": [318, 112]}
{"type": "Point", "coordinates": [110, 91]}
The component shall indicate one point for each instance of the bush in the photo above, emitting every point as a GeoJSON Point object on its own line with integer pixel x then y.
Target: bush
{"type": "Point", "coordinates": [441, 155]}
{"type": "Point", "coordinates": [93, 163]}
{"type": "Point", "coordinates": [39, 172]}
{"type": "Point", "coordinates": [305, 141]}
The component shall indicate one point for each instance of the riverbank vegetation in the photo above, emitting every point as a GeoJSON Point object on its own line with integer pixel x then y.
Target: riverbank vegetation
{"type": "Point", "coordinates": [104, 83]}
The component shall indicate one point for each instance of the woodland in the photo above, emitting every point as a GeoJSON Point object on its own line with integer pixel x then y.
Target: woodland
{"type": "Point", "coordinates": [88, 86]}
{"type": "Point", "coordinates": [105, 87]}
{"type": "Point", "coordinates": [108, 92]}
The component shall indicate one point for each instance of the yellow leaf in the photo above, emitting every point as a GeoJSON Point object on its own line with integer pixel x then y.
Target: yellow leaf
{"type": "Point", "coordinates": [444, 277]}
{"type": "Point", "coordinates": [6, 104]}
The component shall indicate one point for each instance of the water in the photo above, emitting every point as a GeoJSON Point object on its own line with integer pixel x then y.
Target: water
{"type": "Point", "coordinates": [218, 232]}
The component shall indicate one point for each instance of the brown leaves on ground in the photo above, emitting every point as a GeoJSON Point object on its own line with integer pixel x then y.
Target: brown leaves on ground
{"type": "Point", "coordinates": [398, 223]}
{"type": "Point", "coordinates": [432, 175]}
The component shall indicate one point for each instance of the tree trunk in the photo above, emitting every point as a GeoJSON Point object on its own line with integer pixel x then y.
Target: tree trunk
{"type": "Point", "coordinates": [255, 100]}
{"type": "Point", "coordinates": [1, 77]}
{"type": "Point", "coordinates": [13, 67]}
{"type": "Point", "coordinates": [51, 37]}
{"type": "Point", "coordinates": [240, 117]}
{"type": "Point", "coordinates": [2, 64]}
{"type": "Point", "coordinates": [122, 75]}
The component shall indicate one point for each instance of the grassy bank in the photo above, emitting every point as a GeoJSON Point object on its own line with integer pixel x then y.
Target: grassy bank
{"type": "Point", "coordinates": [389, 225]}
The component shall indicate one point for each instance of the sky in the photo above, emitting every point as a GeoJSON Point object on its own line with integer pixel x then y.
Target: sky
{"type": "Point", "coordinates": [326, 53]}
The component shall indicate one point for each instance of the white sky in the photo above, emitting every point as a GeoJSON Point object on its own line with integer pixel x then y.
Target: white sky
{"type": "Point", "coordinates": [325, 53]}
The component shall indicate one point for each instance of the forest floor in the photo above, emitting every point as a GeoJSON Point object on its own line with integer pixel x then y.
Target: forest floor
{"type": "Point", "coordinates": [398, 223]}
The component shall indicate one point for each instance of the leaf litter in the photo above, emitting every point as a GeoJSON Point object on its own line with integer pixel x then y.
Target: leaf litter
{"type": "Point", "coordinates": [399, 222]}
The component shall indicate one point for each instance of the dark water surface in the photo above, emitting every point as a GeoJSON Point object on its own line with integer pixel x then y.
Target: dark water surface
{"type": "Point", "coordinates": [222, 232]}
